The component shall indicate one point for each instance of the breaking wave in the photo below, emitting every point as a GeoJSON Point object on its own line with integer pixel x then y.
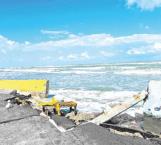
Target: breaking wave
{"type": "Point", "coordinates": [92, 86]}
{"type": "Point", "coordinates": [93, 101]}
{"type": "Point", "coordinates": [140, 72]}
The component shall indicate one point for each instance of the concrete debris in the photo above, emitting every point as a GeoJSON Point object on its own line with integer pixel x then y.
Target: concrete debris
{"type": "Point", "coordinates": [63, 121]}
{"type": "Point", "coordinates": [80, 117]}
{"type": "Point", "coordinates": [152, 125]}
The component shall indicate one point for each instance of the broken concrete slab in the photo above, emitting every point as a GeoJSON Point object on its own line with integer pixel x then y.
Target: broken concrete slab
{"type": "Point", "coordinates": [37, 130]}
{"type": "Point", "coordinates": [95, 135]}
{"type": "Point", "coordinates": [16, 112]}
{"type": "Point", "coordinates": [152, 125]}
{"type": "Point", "coordinates": [122, 118]}
{"type": "Point", "coordinates": [63, 122]}
{"type": "Point", "coordinates": [4, 96]}
{"type": "Point", "coordinates": [31, 131]}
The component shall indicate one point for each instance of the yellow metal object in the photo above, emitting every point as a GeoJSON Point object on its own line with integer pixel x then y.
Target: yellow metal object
{"type": "Point", "coordinates": [35, 87]}
{"type": "Point", "coordinates": [53, 102]}
{"type": "Point", "coordinates": [56, 104]}
{"type": "Point", "coordinates": [43, 102]}
{"type": "Point", "coordinates": [68, 104]}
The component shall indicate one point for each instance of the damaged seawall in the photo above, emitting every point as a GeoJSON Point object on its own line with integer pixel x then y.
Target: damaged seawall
{"type": "Point", "coordinates": [21, 125]}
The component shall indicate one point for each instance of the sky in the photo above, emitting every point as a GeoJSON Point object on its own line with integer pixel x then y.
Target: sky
{"type": "Point", "coordinates": [73, 32]}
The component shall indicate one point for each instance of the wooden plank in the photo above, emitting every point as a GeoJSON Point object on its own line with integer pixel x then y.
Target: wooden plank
{"type": "Point", "coordinates": [118, 109]}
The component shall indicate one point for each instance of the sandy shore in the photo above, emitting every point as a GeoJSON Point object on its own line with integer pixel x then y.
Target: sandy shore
{"type": "Point", "coordinates": [21, 125]}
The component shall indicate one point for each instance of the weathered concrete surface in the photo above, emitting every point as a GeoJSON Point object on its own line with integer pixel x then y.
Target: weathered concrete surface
{"type": "Point", "coordinates": [23, 127]}
{"type": "Point", "coordinates": [15, 113]}
{"type": "Point", "coordinates": [30, 131]}
{"type": "Point", "coordinates": [38, 131]}
{"type": "Point", "coordinates": [93, 134]}
{"type": "Point", "coordinates": [63, 121]}
{"type": "Point", "coordinates": [152, 124]}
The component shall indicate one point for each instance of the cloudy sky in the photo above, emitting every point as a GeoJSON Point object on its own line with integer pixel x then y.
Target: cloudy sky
{"type": "Point", "coordinates": [64, 32]}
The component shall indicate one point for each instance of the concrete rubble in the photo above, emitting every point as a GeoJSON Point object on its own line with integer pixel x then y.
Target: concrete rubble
{"type": "Point", "coordinates": [22, 125]}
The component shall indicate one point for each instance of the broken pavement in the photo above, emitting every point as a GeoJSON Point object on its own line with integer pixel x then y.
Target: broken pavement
{"type": "Point", "coordinates": [22, 125]}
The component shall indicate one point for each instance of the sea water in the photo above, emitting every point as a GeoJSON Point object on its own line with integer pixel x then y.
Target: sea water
{"type": "Point", "coordinates": [94, 87]}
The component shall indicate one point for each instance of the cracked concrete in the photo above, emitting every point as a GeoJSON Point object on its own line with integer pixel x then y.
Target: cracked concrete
{"type": "Point", "coordinates": [21, 125]}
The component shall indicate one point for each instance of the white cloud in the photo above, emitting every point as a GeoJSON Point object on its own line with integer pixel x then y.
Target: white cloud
{"type": "Point", "coordinates": [152, 49]}
{"type": "Point", "coordinates": [157, 46]}
{"type": "Point", "coordinates": [137, 51]}
{"type": "Point", "coordinates": [6, 43]}
{"type": "Point", "coordinates": [45, 58]}
{"type": "Point", "coordinates": [27, 43]}
{"type": "Point", "coordinates": [86, 41]}
{"type": "Point", "coordinates": [54, 32]}
{"type": "Point", "coordinates": [145, 4]}
{"type": "Point", "coordinates": [81, 47]}
{"type": "Point", "coordinates": [72, 56]}
{"type": "Point", "coordinates": [147, 38]}
{"type": "Point", "coordinates": [57, 35]}
{"type": "Point", "coordinates": [61, 57]}
{"type": "Point", "coordinates": [92, 40]}
{"type": "Point", "coordinates": [106, 53]}
{"type": "Point", "coordinates": [84, 55]}
{"type": "Point", "coordinates": [144, 26]}
{"type": "Point", "coordinates": [3, 51]}
{"type": "Point", "coordinates": [95, 40]}
{"type": "Point", "coordinates": [81, 56]}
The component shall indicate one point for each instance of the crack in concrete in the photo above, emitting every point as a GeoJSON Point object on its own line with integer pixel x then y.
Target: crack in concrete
{"type": "Point", "coordinates": [12, 120]}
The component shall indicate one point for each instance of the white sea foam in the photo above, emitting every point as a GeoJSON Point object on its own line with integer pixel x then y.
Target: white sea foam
{"type": "Point", "coordinates": [140, 72]}
{"type": "Point", "coordinates": [121, 68]}
{"type": "Point", "coordinates": [53, 70]}
{"type": "Point", "coordinates": [133, 111]}
{"type": "Point", "coordinates": [26, 70]}
{"type": "Point", "coordinates": [89, 68]}
{"type": "Point", "coordinates": [139, 63]}
{"type": "Point", "coordinates": [82, 72]}
{"type": "Point", "coordinates": [93, 101]}
{"type": "Point", "coordinates": [128, 67]}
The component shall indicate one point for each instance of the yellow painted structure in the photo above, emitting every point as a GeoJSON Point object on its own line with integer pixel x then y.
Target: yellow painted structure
{"type": "Point", "coordinates": [35, 87]}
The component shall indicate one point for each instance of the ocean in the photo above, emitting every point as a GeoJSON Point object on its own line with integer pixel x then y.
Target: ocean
{"type": "Point", "coordinates": [94, 87]}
